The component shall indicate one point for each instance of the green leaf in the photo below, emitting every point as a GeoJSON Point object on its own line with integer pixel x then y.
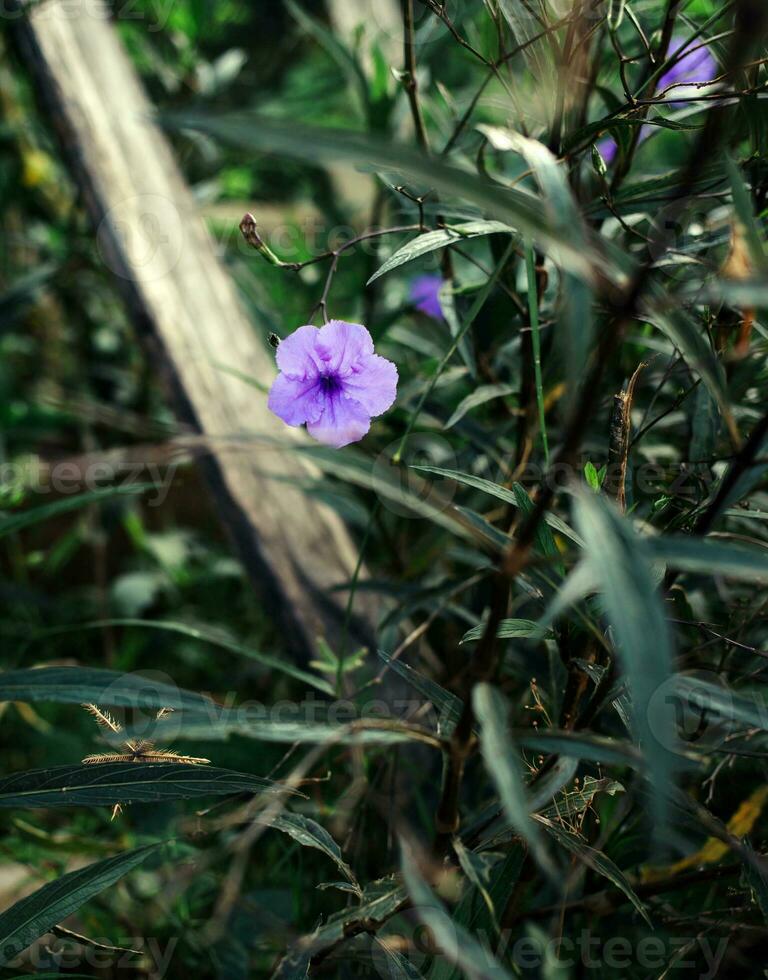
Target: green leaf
{"type": "Point", "coordinates": [745, 293]}
{"type": "Point", "coordinates": [543, 543]}
{"type": "Point", "coordinates": [458, 945]}
{"type": "Point", "coordinates": [12, 523]}
{"type": "Point", "coordinates": [78, 685]}
{"type": "Point", "coordinates": [500, 756]}
{"type": "Point", "coordinates": [582, 580]}
{"type": "Point", "coordinates": [621, 561]}
{"type": "Point", "coordinates": [295, 724]}
{"type": "Point", "coordinates": [208, 635]}
{"type": "Point", "coordinates": [344, 58]}
{"type": "Point", "coordinates": [758, 882]}
{"type": "Point", "coordinates": [689, 338]}
{"type": "Point", "coordinates": [590, 475]}
{"type": "Point", "coordinates": [751, 711]}
{"type": "Point", "coordinates": [432, 241]}
{"type": "Point", "coordinates": [447, 704]}
{"type": "Point", "coordinates": [379, 902]}
{"type": "Point", "coordinates": [742, 202]}
{"type": "Point", "coordinates": [575, 308]}
{"type": "Point", "coordinates": [481, 395]}
{"type": "Point", "coordinates": [560, 204]}
{"type": "Point", "coordinates": [649, 195]}
{"type": "Point", "coordinates": [107, 784]}
{"type": "Point", "coordinates": [575, 801]}
{"type": "Point", "coordinates": [705, 426]}
{"type": "Point", "coordinates": [491, 534]}
{"type": "Point", "coordinates": [475, 869]}
{"type": "Point", "coordinates": [397, 966]}
{"type": "Point", "coordinates": [475, 915]}
{"type": "Point", "coordinates": [580, 745]}
{"type": "Point", "coordinates": [510, 629]}
{"type": "Point", "coordinates": [596, 860]}
{"type": "Point", "coordinates": [501, 493]}
{"type": "Point", "coordinates": [35, 915]}
{"type": "Point", "coordinates": [706, 556]}
{"type": "Point", "coordinates": [518, 208]}
{"type": "Point", "coordinates": [615, 14]}
{"type": "Point", "coordinates": [385, 479]}
{"type": "Point", "coordinates": [309, 833]}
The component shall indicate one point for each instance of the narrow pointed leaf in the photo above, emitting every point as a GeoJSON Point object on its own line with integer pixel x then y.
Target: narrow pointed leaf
{"type": "Point", "coordinates": [519, 208]}
{"type": "Point", "coordinates": [595, 859]}
{"type": "Point", "coordinates": [432, 241]}
{"type": "Point", "coordinates": [13, 523]}
{"type": "Point", "coordinates": [33, 916]}
{"type": "Point", "coordinates": [109, 783]}
{"type": "Point", "coordinates": [309, 833]}
{"type": "Point", "coordinates": [500, 757]}
{"type": "Point", "coordinates": [621, 561]}
{"type": "Point", "coordinates": [458, 945]}
{"type": "Point", "coordinates": [76, 685]}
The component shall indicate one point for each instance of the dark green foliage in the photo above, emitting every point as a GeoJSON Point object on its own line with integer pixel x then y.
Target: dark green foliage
{"type": "Point", "coordinates": [554, 762]}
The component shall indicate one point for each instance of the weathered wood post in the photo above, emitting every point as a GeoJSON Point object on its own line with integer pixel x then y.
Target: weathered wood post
{"type": "Point", "coordinates": [155, 243]}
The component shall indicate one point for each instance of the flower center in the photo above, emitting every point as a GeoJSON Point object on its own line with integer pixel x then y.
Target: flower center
{"type": "Point", "coordinates": [330, 383]}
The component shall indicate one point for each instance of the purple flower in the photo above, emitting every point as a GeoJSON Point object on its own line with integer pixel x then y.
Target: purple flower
{"type": "Point", "coordinates": [695, 66]}
{"type": "Point", "coordinates": [425, 295]}
{"type": "Point", "coordinates": [331, 379]}
{"type": "Point", "coordinates": [608, 148]}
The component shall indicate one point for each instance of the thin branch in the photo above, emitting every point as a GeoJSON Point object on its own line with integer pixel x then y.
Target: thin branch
{"type": "Point", "coordinates": [410, 79]}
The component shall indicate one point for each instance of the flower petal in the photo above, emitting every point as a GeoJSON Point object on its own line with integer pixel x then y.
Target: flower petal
{"type": "Point", "coordinates": [608, 148]}
{"type": "Point", "coordinates": [296, 400]}
{"type": "Point", "coordinates": [341, 345]}
{"type": "Point", "coordinates": [344, 420]}
{"type": "Point", "coordinates": [297, 356]}
{"type": "Point", "coordinates": [425, 295]}
{"type": "Point", "coordinates": [373, 384]}
{"type": "Point", "coordinates": [696, 65]}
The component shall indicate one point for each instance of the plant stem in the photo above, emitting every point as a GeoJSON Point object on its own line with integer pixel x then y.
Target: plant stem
{"type": "Point", "coordinates": [410, 81]}
{"type": "Point", "coordinates": [470, 319]}
{"type": "Point", "coordinates": [533, 312]}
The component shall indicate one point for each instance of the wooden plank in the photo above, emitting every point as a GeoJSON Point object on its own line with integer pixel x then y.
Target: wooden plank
{"type": "Point", "coordinates": [151, 236]}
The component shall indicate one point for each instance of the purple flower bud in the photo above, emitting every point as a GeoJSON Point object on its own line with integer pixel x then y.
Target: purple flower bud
{"type": "Point", "coordinates": [425, 295]}
{"type": "Point", "coordinates": [331, 379]}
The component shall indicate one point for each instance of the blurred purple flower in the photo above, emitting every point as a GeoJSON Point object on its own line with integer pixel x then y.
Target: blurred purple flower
{"type": "Point", "coordinates": [608, 148]}
{"type": "Point", "coordinates": [694, 67]}
{"type": "Point", "coordinates": [331, 379]}
{"type": "Point", "coordinates": [425, 295]}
